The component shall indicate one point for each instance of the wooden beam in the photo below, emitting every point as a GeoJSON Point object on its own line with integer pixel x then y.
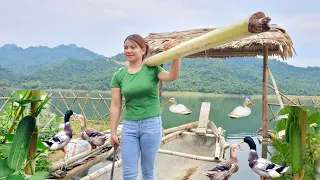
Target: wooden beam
{"type": "Point", "coordinates": [203, 118]}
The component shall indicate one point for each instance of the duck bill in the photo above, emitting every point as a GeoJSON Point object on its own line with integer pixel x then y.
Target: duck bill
{"type": "Point", "coordinates": [168, 102]}
{"type": "Point", "coordinates": [251, 104]}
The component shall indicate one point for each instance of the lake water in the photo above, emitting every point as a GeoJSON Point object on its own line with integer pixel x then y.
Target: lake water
{"type": "Point", "coordinates": [221, 106]}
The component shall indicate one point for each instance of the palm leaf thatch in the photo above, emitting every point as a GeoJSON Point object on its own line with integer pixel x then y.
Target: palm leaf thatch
{"type": "Point", "coordinates": [276, 40]}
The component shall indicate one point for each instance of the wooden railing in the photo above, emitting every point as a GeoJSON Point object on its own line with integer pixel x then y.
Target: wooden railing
{"type": "Point", "coordinates": [100, 105]}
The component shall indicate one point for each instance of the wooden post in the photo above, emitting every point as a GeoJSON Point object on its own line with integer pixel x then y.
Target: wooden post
{"type": "Point", "coordinates": [203, 118]}
{"type": "Point", "coordinates": [265, 94]}
{"type": "Point", "coordinates": [30, 168]}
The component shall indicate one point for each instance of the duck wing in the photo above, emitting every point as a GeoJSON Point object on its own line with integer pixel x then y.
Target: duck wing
{"type": "Point", "coordinates": [60, 137]}
{"type": "Point", "coordinates": [223, 166]}
{"type": "Point", "coordinates": [240, 111]}
{"type": "Point", "coordinates": [180, 109]}
{"type": "Point", "coordinates": [266, 165]}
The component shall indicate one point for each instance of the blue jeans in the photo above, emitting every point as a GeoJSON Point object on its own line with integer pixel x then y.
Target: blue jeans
{"type": "Point", "coordinates": [141, 136]}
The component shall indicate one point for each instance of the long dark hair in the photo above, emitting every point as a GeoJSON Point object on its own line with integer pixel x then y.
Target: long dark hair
{"type": "Point", "coordinates": [141, 43]}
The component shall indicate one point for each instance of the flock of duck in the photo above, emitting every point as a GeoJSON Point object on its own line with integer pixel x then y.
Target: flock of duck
{"type": "Point", "coordinates": [240, 111]}
{"type": "Point", "coordinates": [263, 167]}
{"type": "Point", "coordinates": [225, 169]}
{"type": "Point", "coordinates": [222, 171]}
{"type": "Point", "coordinates": [61, 139]}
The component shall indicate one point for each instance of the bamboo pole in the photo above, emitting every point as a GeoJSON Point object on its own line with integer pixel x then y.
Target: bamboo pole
{"type": "Point", "coordinates": [102, 171]}
{"type": "Point", "coordinates": [190, 156]}
{"type": "Point", "coordinates": [76, 157]}
{"type": "Point", "coordinates": [171, 136]}
{"type": "Point", "coordinates": [256, 23]}
{"type": "Point", "coordinates": [276, 89]}
{"type": "Point", "coordinates": [78, 169]}
{"type": "Point", "coordinates": [182, 127]}
{"type": "Point", "coordinates": [209, 131]}
{"type": "Point", "coordinates": [30, 168]}
{"type": "Point", "coordinates": [194, 134]}
{"type": "Point", "coordinates": [264, 95]}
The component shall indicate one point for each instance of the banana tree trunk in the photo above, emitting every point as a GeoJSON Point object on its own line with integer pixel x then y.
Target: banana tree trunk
{"type": "Point", "coordinates": [256, 23]}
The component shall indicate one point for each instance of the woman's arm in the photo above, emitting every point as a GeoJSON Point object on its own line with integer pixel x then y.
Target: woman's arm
{"type": "Point", "coordinates": [172, 74]}
{"type": "Point", "coordinates": [116, 102]}
{"type": "Point", "coordinates": [175, 67]}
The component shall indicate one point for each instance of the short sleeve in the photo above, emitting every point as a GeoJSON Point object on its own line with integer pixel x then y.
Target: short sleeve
{"type": "Point", "coordinates": [115, 83]}
{"type": "Point", "coordinates": [158, 69]}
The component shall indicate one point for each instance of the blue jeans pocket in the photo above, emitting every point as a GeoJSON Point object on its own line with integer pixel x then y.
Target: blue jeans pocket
{"type": "Point", "coordinates": [154, 126]}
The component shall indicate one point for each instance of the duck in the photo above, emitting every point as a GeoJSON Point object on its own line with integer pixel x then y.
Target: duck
{"type": "Point", "coordinates": [95, 138]}
{"type": "Point", "coordinates": [62, 138]}
{"type": "Point", "coordinates": [178, 108]}
{"type": "Point", "coordinates": [225, 169]}
{"type": "Point", "coordinates": [242, 111]}
{"type": "Point", "coordinates": [261, 166]}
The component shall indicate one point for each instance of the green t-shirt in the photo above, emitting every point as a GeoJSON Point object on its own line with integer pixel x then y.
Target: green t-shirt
{"type": "Point", "coordinates": [140, 91]}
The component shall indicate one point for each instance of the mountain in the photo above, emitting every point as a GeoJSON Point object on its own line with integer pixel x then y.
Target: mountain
{"type": "Point", "coordinates": [19, 59]}
{"type": "Point", "coordinates": [71, 67]}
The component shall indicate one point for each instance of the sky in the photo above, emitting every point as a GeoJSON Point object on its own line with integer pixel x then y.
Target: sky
{"type": "Point", "coordinates": [102, 25]}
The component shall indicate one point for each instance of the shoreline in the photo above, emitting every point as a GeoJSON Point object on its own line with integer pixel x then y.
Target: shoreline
{"type": "Point", "coordinates": [172, 93]}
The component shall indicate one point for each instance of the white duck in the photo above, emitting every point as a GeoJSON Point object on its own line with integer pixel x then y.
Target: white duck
{"type": "Point", "coordinates": [242, 111]}
{"type": "Point", "coordinates": [178, 108]}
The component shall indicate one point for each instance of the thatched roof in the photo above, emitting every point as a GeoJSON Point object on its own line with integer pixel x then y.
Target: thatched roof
{"type": "Point", "coordinates": [276, 40]}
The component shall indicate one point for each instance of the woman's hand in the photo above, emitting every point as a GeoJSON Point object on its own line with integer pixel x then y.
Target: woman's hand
{"type": "Point", "coordinates": [115, 140]}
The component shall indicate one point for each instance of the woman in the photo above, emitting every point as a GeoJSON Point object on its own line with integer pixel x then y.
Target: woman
{"type": "Point", "coordinates": [142, 125]}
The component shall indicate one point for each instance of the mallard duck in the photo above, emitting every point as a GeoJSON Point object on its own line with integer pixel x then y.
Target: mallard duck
{"type": "Point", "coordinates": [225, 169]}
{"type": "Point", "coordinates": [61, 139]}
{"type": "Point", "coordinates": [95, 138]}
{"type": "Point", "coordinates": [242, 111]}
{"type": "Point", "coordinates": [178, 108]}
{"type": "Point", "coordinates": [261, 166]}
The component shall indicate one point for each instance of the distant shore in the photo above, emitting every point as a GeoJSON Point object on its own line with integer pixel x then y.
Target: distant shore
{"type": "Point", "coordinates": [172, 93]}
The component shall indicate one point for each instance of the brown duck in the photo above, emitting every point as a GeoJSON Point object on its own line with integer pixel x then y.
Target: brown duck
{"type": "Point", "coordinates": [225, 169]}
{"type": "Point", "coordinates": [95, 138]}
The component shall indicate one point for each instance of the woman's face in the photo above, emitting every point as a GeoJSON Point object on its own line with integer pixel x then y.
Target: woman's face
{"type": "Point", "coordinates": [132, 51]}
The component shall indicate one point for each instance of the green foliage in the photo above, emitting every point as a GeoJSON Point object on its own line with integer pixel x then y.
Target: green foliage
{"type": "Point", "coordinates": [283, 149]}
{"type": "Point", "coordinates": [21, 142]}
{"type": "Point", "coordinates": [14, 152]}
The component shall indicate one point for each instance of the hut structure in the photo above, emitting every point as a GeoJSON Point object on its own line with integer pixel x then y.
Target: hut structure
{"type": "Point", "coordinates": [273, 43]}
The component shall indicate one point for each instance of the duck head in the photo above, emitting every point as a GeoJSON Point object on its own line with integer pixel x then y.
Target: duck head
{"type": "Point", "coordinates": [79, 117]}
{"type": "Point", "coordinates": [250, 142]}
{"type": "Point", "coordinates": [247, 102]}
{"type": "Point", "coordinates": [235, 147]}
{"type": "Point", "coordinates": [171, 101]}
{"type": "Point", "coordinates": [67, 115]}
